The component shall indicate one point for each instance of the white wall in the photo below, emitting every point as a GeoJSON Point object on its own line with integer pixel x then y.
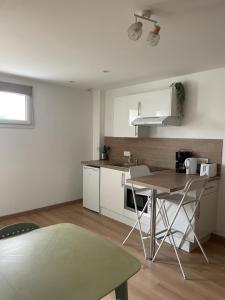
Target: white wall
{"type": "Point", "coordinates": [98, 122]}
{"type": "Point", "coordinates": [41, 166]}
{"type": "Point", "coordinates": [204, 115]}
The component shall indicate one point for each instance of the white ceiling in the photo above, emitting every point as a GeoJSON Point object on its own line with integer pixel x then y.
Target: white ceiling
{"type": "Point", "coordinates": [63, 40]}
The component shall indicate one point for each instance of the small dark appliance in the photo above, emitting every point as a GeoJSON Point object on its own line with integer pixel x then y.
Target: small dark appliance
{"type": "Point", "coordinates": [104, 155]}
{"type": "Point", "coordinates": [181, 155]}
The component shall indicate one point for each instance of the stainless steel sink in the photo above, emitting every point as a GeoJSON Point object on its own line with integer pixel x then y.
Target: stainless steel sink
{"type": "Point", "coordinates": [124, 164]}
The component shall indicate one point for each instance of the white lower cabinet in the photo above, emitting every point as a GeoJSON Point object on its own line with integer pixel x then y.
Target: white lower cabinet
{"type": "Point", "coordinates": [91, 188]}
{"type": "Point", "coordinates": [112, 184]}
{"type": "Point", "coordinates": [206, 216]}
{"type": "Point", "coordinates": [112, 190]}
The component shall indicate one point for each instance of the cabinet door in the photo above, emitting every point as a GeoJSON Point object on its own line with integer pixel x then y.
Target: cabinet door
{"type": "Point", "coordinates": [155, 103]}
{"type": "Point", "coordinates": [206, 221]}
{"type": "Point", "coordinates": [91, 188]}
{"type": "Point", "coordinates": [125, 111]}
{"type": "Point", "coordinates": [112, 190]}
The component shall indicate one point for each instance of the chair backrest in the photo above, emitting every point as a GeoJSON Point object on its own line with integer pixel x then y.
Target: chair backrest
{"type": "Point", "coordinates": [139, 171]}
{"type": "Point", "coordinates": [196, 184]}
{"type": "Point", "coordinates": [16, 229]}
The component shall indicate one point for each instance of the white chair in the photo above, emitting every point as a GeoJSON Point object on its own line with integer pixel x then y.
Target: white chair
{"type": "Point", "coordinates": [135, 172]}
{"type": "Point", "coordinates": [182, 199]}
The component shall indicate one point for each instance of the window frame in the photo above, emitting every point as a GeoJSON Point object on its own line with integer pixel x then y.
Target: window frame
{"type": "Point", "coordinates": [27, 92]}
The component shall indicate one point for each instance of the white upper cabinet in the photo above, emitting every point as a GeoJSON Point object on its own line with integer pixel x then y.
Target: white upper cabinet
{"type": "Point", "coordinates": [155, 103]}
{"type": "Point", "coordinates": [125, 111]}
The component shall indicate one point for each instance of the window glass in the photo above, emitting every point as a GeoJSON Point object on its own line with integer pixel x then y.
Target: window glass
{"type": "Point", "coordinates": [13, 107]}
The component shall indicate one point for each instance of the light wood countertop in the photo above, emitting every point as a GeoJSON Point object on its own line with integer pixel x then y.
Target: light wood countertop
{"type": "Point", "coordinates": [109, 164]}
{"type": "Point", "coordinates": [104, 164]}
{"type": "Point", "coordinates": [165, 181]}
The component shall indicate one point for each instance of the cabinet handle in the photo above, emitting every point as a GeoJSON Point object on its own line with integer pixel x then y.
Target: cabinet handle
{"type": "Point", "coordinates": [139, 109]}
{"type": "Point", "coordinates": [136, 131]}
{"type": "Point", "coordinates": [122, 180]}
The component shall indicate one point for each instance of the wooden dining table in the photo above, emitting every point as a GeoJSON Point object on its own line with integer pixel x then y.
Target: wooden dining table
{"type": "Point", "coordinates": [63, 262]}
{"type": "Point", "coordinates": [164, 181]}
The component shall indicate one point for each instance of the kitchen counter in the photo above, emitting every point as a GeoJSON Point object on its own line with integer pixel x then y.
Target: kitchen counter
{"type": "Point", "coordinates": [104, 164]}
{"type": "Point", "coordinates": [166, 181]}
{"type": "Point", "coordinates": [109, 164]}
{"type": "Point", "coordinates": [113, 198]}
{"type": "Point", "coordinates": [156, 170]}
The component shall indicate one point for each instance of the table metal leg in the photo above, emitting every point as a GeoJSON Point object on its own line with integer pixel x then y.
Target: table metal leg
{"type": "Point", "coordinates": [122, 292]}
{"type": "Point", "coordinates": [153, 224]}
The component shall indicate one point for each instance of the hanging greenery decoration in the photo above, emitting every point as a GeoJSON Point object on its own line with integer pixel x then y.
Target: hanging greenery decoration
{"type": "Point", "coordinates": [180, 96]}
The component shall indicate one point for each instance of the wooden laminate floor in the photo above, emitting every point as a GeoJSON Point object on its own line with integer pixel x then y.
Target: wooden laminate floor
{"type": "Point", "coordinates": [159, 281]}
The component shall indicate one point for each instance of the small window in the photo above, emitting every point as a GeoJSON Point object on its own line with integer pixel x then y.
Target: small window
{"type": "Point", "coordinates": [15, 104]}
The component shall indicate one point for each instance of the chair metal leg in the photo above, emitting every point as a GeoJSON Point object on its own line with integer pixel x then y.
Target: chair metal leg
{"type": "Point", "coordinates": [173, 243]}
{"type": "Point", "coordinates": [158, 213]}
{"type": "Point", "coordinates": [162, 215]}
{"type": "Point", "coordinates": [141, 236]}
{"type": "Point", "coordinates": [159, 206]}
{"type": "Point", "coordinates": [178, 258]}
{"type": "Point", "coordinates": [200, 246]}
{"type": "Point", "coordinates": [159, 209]}
{"type": "Point", "coordinates": [191, 219]}
{"type": "Point", "coordinates": [138, 219]}
{"type": "Point", "coordinates": [166, 234]}
{"type": "Point", "coordinates": [166, 219]}
{"type": "Point", "coordinates": [127, 237]}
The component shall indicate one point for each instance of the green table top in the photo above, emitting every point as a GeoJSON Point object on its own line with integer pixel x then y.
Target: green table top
{"type": "Point", "coordinates": [62, 262]}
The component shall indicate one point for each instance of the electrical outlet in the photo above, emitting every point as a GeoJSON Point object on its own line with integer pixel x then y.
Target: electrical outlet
{"type": "Point", "coordinates": [126, 153]}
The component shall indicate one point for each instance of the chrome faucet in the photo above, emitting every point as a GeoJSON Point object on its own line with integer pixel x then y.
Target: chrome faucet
{"type": "Point", "coordinates": [129, 159]}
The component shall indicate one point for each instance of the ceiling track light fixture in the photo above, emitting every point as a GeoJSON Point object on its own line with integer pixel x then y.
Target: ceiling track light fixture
{"type": "Point", "coordinates": [135, 30]}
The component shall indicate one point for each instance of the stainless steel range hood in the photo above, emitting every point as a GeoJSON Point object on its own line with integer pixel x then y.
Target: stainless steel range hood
{"type": "Point", "coordinates": [164, 121]}
{"type": "Point", "coordinates": [160, 107]}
